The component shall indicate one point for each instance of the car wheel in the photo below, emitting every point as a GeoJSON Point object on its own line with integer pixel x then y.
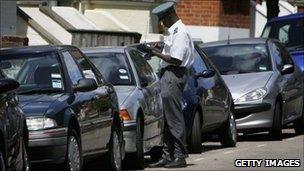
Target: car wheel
{"type": "Point", "coordinates": [139, 155]}
{"type": "Point", "coordinates": [228, 134]}
{"type": "Point", "coordinates": [276, 130]}
{"type": "Point", "coordinates": [2, 166]}
{"type": "Point", "coordinates": [115, 157]}
{"type": "Point", "coordinates": [26, 162]}
{"type": "Point", "coordinates": [74, 156]}
{"type": "Point", "coordinates": [299, 124]}
{"type": "Point", "coordinates": [195, 140]}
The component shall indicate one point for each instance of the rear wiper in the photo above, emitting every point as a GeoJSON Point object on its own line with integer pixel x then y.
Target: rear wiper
{"type": "Point", "coordinates": [40, 90]}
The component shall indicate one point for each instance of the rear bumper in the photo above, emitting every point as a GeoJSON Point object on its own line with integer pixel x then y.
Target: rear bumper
{"type": "Point", "coordinates": [253, 116]}
{"type": "Point", "coordinates": [130, 136]}
{"type": "Point", "coordinates": [48, 145]}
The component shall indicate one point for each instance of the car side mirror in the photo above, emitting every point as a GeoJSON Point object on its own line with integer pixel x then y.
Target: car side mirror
{"type": "Point", "coordinates": [287, 69]}
{"type": "Point", "coordinates": [84, 85]}
{"type": "Point", "coordinates": [5, 65]}
{"type": "Point", "coordinates": [205, 74]}
{"type": "Point", "coordinates": [144, 81]}
{"type": "Point", "coordinates": [7, 85]}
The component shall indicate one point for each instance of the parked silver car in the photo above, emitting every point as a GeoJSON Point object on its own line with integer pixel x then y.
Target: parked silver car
{"type": "Point", "coordinates": [138, 91]}
{"type": "Point", "coordinates": [266, 86]}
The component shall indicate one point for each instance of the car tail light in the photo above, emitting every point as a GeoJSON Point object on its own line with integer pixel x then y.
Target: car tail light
{"type": "Point", "coordinates": [124, 114]}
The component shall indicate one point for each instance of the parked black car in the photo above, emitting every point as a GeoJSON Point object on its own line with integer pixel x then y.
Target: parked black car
{"type": "Point", "coordinates": [71, 111]}
{"type": "Point", "coordinates": [207, 103]}
{"type": "Point", "coordinates": [13, 130]}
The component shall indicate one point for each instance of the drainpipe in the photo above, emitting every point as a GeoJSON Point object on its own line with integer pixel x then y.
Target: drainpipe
{"type": "Point", "coordinates": [252, 17]}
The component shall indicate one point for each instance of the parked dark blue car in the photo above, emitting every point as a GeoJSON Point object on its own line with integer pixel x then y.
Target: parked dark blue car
{"type": "Point", "coordinates": [207, 103]}
{"type": "Point", "coordinates": [71, 111]}
{"type": "Point", "coordinates": [290, 31]}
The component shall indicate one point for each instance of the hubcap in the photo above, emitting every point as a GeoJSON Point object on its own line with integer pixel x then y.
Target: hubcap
{"type": "Point", "coordinates": [2, 167]}
{"type": "Point", "coordinates": [73, 154]}
{"type": "Point", "coordinates": [25, 158]}
{"type": "Point", "coordinates": [116, 151]}
{"type": "Point", "coordinates": [233, 127]}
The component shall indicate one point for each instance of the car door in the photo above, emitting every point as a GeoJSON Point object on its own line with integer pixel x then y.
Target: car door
{"type": "Point", "coordinates": [83, 106]}
{"type": "Point", "coordinates": [291, 85]}
{"type": "Point", "coordinates": [10, 110]}
{"type": "Point", "coordinates": [101, 101]}
{"type": "Point", "coordinates": [150, 87]}
{"type": "Point", "coordinates": [207, 90]}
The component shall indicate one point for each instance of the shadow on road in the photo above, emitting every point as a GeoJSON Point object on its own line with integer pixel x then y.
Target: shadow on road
{"type": "Point", "coordinates": [264, 136]}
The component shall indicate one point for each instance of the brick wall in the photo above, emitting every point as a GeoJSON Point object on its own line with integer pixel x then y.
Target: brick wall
{"type": "Point", "coordinates": [13, 41]}
{"type": "Point", "coordinates": [225, 13]}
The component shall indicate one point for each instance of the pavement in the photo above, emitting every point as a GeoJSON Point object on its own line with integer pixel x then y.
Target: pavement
{"type": "Point", "coordinates": [214, 157]}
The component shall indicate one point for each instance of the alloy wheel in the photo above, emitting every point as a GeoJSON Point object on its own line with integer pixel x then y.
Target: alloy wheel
{"type": "Point", "coordinates": [2, 166]}
{"type": "Point", "coordinates": [26, 162]}
{"type": "Point", "coordinates": [73, 154]}
{"type": "Point", "coordinates": [116, 151]}
{"type": "Point", "coordinates": [233, 129]}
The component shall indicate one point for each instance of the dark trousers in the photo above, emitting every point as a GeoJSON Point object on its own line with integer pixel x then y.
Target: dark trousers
{"type": "Point", "coordinates": [173, 81]}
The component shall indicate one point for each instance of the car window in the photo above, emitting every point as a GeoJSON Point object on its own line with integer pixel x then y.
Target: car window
{"type": "Point", "coordinates": [40, 71]}
{"type": "Point", "coordinates": [276, 55]}
{"type": "Point", "coordinates": [114, 67]}
{"type": "Point", "coordinates": [283, 34]}
{"type": "Point", "coordinates": [289, 32]}
{"type": "Point", "coordinates": [239, 58]}
{"type": "Point", "coordinates": [285, 57]}
{"type": "Point", "coordinates": [73, 70]}
{"type": "Point", "coordinates": [84, 65]}
{"type": "Point", "coordinates": [199, 65]}
{"type": "Point", "coordinates": [143, 69]}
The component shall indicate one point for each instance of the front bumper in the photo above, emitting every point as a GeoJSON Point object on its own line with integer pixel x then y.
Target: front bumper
{"type": "Point", "coordinates": [130, 136]}
{"type": "Point", "coordinates": [253, 116]}
{"type": "Point", "coordinates": [48, 145]}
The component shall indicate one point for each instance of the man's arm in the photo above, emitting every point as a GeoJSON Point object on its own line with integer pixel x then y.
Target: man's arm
{"type": "Point", "coordinates": [166, 58]}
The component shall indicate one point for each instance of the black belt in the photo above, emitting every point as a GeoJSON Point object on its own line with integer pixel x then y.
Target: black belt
{"type": "Point", "coordinates": [175, 69]}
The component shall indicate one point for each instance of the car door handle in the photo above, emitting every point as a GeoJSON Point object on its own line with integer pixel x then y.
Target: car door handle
{"type": "Point", "coordinates": [110, 90]}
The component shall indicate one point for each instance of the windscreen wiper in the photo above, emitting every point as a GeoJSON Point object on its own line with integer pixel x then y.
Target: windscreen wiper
{"type": "Point", "coordinates": [298, 47]}
{"type": "Point", "coordinates": [40, 90]}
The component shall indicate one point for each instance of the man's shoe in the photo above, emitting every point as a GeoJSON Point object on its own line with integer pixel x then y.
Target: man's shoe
{"type": "Point", "coordinates": [177, 163]}
{"type": "Point", "coordinates": [161, 163]}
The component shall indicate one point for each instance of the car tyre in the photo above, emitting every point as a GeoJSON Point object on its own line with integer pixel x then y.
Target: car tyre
{"type": "Point", "coordinates": [299, 124]}
{"type": "Point", "coordinates": [139, 154]}
{"type": "Point", "coordinates": [114, 156]}
{"type": "Point", "coordinates": [195, 139]}
{"type": "Point", "coordinates": [25, 159]}
{"type": "Point", "coordinates": [276, 130]}
{"type": "Point", "coordinates": [74, 153]}
{"type": "Point", "coordinates": [2, 163]}
{"type": "Point", "coordinates": [228, 133]}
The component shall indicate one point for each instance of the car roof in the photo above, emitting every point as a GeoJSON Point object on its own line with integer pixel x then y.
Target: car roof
{"type": "Point", "coordinates": [117, 49]}
{"type": "Point", "coordinates": [34, 49]}
{"type": "Point", "coordinates": [287, 17]}
{"type": "Point", "coordinates": [235, 42]}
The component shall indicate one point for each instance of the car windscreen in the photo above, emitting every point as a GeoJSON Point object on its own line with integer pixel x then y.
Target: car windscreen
{"type": "Point", "coordinates": [240, 58]}
{"type": "Point", "coordinates": [114, 67]}
{"type": "Point", "coordinates": [39, 72]}
{"type": "Point", "coordinates": [289, 32]}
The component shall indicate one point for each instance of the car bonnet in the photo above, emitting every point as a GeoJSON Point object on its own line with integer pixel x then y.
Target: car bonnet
{"type": "Point", "coordinates": [37, 105]}
{"type": "Point", "coordinates": [240, 84]}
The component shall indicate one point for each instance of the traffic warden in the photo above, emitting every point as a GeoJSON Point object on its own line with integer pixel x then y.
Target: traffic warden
{"type": "Point", "coordinates": [176, 59]}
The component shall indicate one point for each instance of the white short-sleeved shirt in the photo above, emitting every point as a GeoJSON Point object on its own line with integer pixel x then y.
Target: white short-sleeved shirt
{"type": "Point", "coordinates": [179, 45]}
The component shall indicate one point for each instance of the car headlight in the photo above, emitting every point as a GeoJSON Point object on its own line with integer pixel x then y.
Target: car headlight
{"type": "Point", "coordinates": [40, 123]}
{"type": "Point", "coordinates": [256, 94]}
